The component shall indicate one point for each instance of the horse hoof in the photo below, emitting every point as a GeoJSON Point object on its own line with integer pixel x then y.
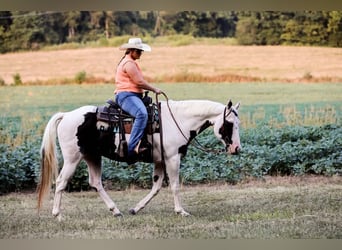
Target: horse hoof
{"type": "Point", "coordinates": [58, 217]}
{"type": "Point", "coordinates": [183, 213]}
{"type": "Point", "coordinates": [118, 215]}
{"type": "Point", "coordinates": [132, 211]}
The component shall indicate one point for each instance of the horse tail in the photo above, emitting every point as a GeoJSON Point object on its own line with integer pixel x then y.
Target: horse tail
{"type": "Point", "coordinates": [49, 162]}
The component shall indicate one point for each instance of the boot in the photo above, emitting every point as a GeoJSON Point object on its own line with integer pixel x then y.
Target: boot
{"type": "Point", "coordinates": [140, 149]}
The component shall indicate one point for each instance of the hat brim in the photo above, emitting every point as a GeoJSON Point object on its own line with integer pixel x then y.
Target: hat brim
{"type": "Point", "coordinates": [141, 46]}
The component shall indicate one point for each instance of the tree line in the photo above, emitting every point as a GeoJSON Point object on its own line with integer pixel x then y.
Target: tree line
{"type": "Point", "coordinates": [23, 30]}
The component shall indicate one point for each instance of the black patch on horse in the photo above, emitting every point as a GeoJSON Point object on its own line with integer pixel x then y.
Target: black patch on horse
{"type": "Point", "coordinates": [155, 178]}
{"type": "Point", "coordinates": [184, 148]}
{"type": "Point", "coordinates": [226, 132]}
{"type": "Point", "coordinates": [206, 125]}
{"type": "Point", "coordinates": [88, 135]}
{"type": "Point", "coordinates": [93, 142]}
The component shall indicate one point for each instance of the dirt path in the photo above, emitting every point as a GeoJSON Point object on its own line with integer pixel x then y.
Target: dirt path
{"type": "Point", "coordinates": [264, 62]}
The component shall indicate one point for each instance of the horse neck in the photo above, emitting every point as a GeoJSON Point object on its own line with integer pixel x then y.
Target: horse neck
{"type": "Point", "coordinates": [194, 113]}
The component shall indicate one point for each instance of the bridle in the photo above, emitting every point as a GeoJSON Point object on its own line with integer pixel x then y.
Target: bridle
{"type": "Point", "coordinates": [225, 126]}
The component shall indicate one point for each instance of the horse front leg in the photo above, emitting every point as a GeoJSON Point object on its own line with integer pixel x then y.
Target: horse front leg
{"type": "Point", "coordinates": [172, 167]}
{"type": "Point", "coordinates": [158, 177]}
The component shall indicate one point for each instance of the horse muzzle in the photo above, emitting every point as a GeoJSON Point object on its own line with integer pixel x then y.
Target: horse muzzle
{"type": "Point", "coordinates": [233, 149]}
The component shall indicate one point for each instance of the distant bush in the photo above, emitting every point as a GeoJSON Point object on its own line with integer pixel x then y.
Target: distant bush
{"type": "Point", "coordinates": [17, 79]}
{"type": "Point", "coordinates": [2, 81]}
{"type": "Point", "coordinates": [80, 77]}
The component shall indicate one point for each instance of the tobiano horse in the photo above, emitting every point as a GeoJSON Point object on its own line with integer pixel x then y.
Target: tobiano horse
{"type": "Point", "coordinates": [182, 121]}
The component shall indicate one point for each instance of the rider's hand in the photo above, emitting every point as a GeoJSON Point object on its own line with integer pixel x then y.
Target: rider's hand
{"type": "Point", "coordinates": [157, 91]}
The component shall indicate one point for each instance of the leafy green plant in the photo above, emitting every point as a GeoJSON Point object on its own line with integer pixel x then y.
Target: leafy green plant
{"type": "Point", "coordinates": [17, 169]}
{"type": "Point", "coordinates": [292, 150]}
{"type": "Point", "coordinates": [79, 181]}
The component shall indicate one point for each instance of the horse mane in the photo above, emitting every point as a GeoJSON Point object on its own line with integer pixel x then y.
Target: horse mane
{"type": "Point", "coordinates": [200, 108]}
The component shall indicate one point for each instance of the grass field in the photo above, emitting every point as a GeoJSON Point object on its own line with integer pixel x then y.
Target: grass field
{"type": "Point", "coordinates": [303, 103]}
{"type": "Point", "coordinates": [66, 97]}
{"type": "Point", "coordinates": [278, 208]}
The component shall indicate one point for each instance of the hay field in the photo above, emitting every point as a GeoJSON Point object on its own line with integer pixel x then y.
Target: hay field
{"type": "Point", "coordinates": [266, 63]}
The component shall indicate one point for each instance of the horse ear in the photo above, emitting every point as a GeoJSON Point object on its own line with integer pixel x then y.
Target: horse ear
{"type": "Point", "coordinates": [230, 104]}
{"type": "Point", "coordinates": [237, 106]}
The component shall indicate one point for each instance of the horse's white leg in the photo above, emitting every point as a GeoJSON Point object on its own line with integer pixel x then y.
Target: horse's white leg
{"type": "Point", "coordinates": [94, 167]}
{"type": "Point", "coordinates": [172, 168]}
{"type": "Point", "coordinates": [69, 167]}
{"type": "Point", "coordinates": [158, 177]}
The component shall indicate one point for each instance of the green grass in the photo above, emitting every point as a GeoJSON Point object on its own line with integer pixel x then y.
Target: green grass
{"type": "Point", "coordinates": [258, 211]}
{"type": "Point", "coordinates": [64, 97]}
{"type": "Point", "coordinates": [247, 93]}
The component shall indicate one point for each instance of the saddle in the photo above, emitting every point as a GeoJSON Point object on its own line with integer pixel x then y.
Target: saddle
{"type": "Point", "coordinates": [113, 124]}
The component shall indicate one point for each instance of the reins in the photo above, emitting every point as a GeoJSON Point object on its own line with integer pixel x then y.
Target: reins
{"type": "Point", "coordinates": [161, 130]}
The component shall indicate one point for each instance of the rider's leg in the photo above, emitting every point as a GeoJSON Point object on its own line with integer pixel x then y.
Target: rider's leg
{"type": "Point", "coordinates": [132, 104]}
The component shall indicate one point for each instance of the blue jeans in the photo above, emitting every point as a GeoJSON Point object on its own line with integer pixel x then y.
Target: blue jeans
{"type": "Point", "coordinates": [133, 105]}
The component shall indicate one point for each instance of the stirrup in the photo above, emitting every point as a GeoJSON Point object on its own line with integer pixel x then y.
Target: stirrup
{"type": "Point", "coordinates": [138, 150]}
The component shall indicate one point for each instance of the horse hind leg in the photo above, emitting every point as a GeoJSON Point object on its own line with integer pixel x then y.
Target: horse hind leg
{"type": "Point", "coordinates": [94, 167]}
{"type": "Point", "coordinates": [158, 176]}
{"type": "Point", "coordinates": [68, 169]}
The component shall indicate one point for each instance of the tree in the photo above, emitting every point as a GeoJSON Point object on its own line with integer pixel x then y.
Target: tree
{"type": "Point", "coordinates": [184, 23]}
{"type": "Point", "coordinates": [5, 24]}
{"type": "Point", "coordinates": [109, 23]}
{"type": "Point", "coordinates": [124, 20]}
{"type": "Point", "coordinates": [334, 28]}
{"type": "Point", "coordinates": [71, 21]}
{"type": "Point", "coordinates": [246, 30]}
{"type": "Point", "coordinates": [308, 27]}
{"type": "Point", "coordinates": [158, 26]}
{"type": "Point", "coordinates": [22, 30]}
{"type": "Point", "coordinates": [214, 24]}
{"type": "Point", "coordinates": [270, 26]}
{"type": "Point", "coordinates": [27, 31]}
{"type": "Point", "coordinates": [163, 23]}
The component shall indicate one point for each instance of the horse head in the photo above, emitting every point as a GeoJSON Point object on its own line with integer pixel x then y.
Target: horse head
{"type": "Point", "coordinates": [227, 128]}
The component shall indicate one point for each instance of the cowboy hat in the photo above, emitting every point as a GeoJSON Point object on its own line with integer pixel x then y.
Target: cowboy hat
{"type": "Point", "coordinates": [135, 43]}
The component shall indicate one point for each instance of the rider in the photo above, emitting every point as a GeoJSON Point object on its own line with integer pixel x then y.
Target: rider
{"type": "Point", "coordinates": [130, 85]}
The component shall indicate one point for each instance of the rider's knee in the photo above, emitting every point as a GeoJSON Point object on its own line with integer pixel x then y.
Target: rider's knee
{"type": "Point", "coordinates": [142, 114]}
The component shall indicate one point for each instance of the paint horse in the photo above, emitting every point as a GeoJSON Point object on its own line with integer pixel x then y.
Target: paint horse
{"type": "Point", "coordinates": [181, 120]}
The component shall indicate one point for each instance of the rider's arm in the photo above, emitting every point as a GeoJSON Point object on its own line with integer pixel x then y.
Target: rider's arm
{"type": "Point", "coordinates": [138, 79]}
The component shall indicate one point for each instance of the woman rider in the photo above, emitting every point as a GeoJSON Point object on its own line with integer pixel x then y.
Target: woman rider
{"type": "Point", "coordinates": [130, 85]}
